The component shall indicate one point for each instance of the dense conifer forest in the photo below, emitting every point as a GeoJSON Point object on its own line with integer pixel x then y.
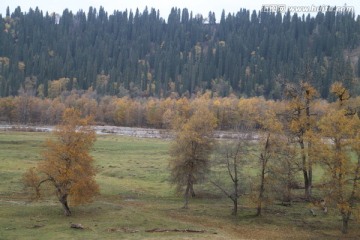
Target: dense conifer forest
{"type": "Point", "coordinates": [140, 54]}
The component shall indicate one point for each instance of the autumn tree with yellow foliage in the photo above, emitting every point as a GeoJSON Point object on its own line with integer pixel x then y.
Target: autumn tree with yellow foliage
{"type": "Point", "coordinates": [190, 151]}
{"type": "Point", "coordinates": [339, 153]}
{"type": "Point", "coordinates": [67, 164]}
{"type": "Point", "coordinates": [301, 123]}
{"type": "Point", "coordinates": [270, 145]}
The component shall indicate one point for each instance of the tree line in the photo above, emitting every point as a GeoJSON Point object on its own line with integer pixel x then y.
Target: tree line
{"type": "Point", "coordinates": [288, 143]}
{"type": "Point", "coordinates": [231, 112]}
{"type": "Point", "coordinates": [140, 54]}
{"type": "Point", "coordinates": [292, 137]}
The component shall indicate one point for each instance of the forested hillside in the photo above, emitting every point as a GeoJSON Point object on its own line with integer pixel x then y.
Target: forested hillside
{"type": "Point", "coordinates": [140, 54]}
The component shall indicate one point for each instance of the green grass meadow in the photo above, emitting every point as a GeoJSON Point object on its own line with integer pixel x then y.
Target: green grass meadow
{"type": "Point", "coordinates": [136, 197]}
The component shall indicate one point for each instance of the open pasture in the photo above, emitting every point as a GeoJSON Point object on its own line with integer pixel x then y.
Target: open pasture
{"type": "Point", "coordinates": [136, 198]}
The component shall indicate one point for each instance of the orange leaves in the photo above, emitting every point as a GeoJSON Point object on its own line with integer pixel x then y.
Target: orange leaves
{"type": "Point", "coordinates": [191, 148]}
{"type": "Point", "coordinates": [226, 111]}
{"type": "Point", "coordinates": [7, 109]}
{"type": "Point", "coordinates": [340, 91]}
{"type": "Point", "coordinates": [74, 135]}
{"type": "Point", "coordinates": [83, 191]}
{"type": "Point", "coordinates": [31, 180]}
{"type": "Point", "coordinates": [72, 117]}
{"type": "Point", "coordinates": [309, 91]}
{"type": "Point", "coordinates": [128, 112]}
{"type": "Point", "coordinates": [257, 113]}
{"type": "Point", "coordinates": [341, 127]}
{"type": "Point", "coordinates": [300, 108]}
{"type": "Point", "coordinates": [342, 130]}
{"type": "Point", "coordinates": [249, 110]}
{"type": "Point", "coordinates": [154, 112]}
{"type": "Point", "coordinates": [183, 107]}
{"type": "Point", "coordinates": [67, 164]}
{"type": "Point", "coordinates": [336, 125]}
{"type": "Point", "coordinates": [56, 87]}
{"type": "Point", "coordinates": [344, 207]}
{"type": "Point", "coordinates": [199, 127]}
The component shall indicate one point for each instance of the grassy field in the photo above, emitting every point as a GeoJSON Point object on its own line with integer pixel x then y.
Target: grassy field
{"type": "Point", "coordinates": [136, 197]}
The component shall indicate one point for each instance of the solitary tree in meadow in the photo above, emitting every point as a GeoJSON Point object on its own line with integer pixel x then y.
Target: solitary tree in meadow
{"type": "Point", "coordinates": [67, 165]}
{"type": "Point", "coordinates": [190, 151]}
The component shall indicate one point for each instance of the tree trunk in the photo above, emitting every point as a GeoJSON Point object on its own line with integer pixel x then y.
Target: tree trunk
{"type": "Point", "coordinates": [345, 223]}
{"type": "Point", "coordinates": [307, 185]}
{"type": "Point", "coordinates": [310, 175]}
{"type": "Point", "coordinates": [305, 172]}
{"type": "Point", "coordinates": [308, 193]}
{"type": "Point", "coordinates": [236, 195]}
{"type": "Point", "coordinates": [287, 195]}
{"type": "Point", "coordinates": [63, 200]}
{"type": "Point", "coordinates": [261, 192]}
{"type": "Point", "coordinates": [236, 188]}
{"type": "Point", "coordinates": [235, 209]}
{"type": "Point", "coordinates": [259, 208]}
{"type": "Point", "coordinates": [192, 190]}
{"type": "Point", "coordinates": [186, 196]}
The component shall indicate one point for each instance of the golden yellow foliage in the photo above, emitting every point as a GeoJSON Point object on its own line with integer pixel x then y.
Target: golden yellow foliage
{"type": "Point", "coordinates": [340, 91]}
{"type": "Point", "coordinates": [56, 87]}
{"type": "Point", "coordinates": [252, 111]}
{"type": "Point", "coordinates": [154, 112]}
{"type": "Point", "coordinates": [67, 164]}
{"type": "Point", "coordinates": [191, 149]}
{"type": "Point", "coordinates": [300, 125]}
{"type": "Point", "coordinates": [340, 140]}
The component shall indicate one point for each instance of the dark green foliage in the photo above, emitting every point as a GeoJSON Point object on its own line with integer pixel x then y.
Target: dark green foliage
{"type": "Point", "coordinates": [147, 56]}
